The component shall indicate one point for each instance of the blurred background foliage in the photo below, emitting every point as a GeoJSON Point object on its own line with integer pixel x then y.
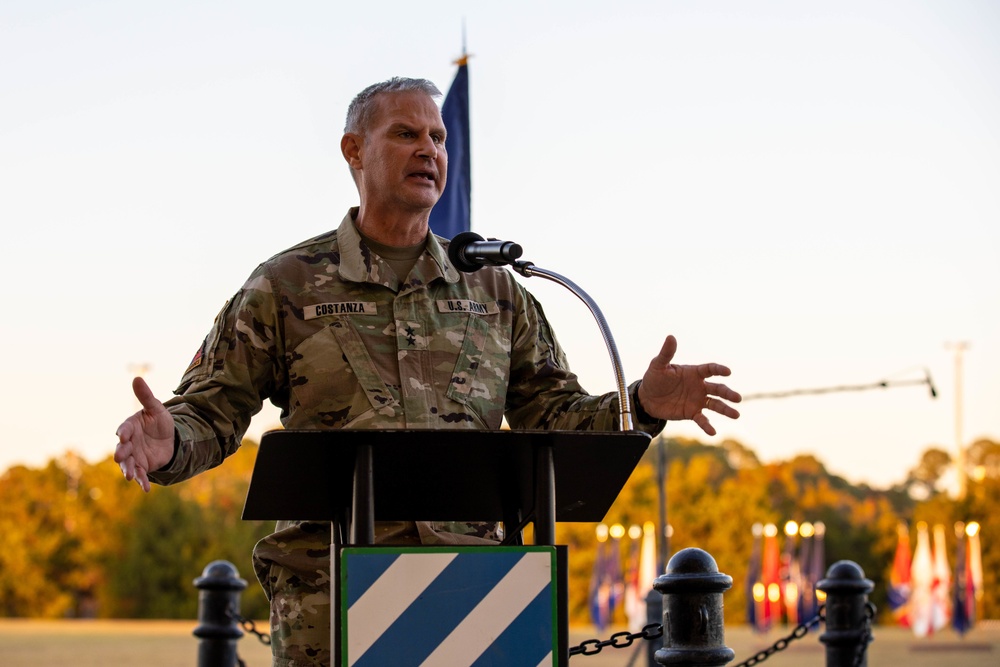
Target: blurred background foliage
{"type": "Point", "coordinates": [76, 540]}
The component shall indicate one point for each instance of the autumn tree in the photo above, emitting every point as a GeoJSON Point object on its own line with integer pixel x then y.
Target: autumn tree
{"type": "Point", "coordinates": [77, 540]}
{"type": "Point", "coordinates": [922, 481]}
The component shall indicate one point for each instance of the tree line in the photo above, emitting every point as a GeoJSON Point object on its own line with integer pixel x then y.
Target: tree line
{"type": "Point", "coordinates": [78, 541]}
{"type": "Point", "coordinates": [716, 493]}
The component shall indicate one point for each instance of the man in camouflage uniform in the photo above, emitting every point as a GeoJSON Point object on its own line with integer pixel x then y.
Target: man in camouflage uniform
{"type": "Point", "coordinates": [371, 326]}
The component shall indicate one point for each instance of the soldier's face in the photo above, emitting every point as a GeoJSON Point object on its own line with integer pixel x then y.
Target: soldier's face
{"type": "Point", "coordinates": [403, 160]}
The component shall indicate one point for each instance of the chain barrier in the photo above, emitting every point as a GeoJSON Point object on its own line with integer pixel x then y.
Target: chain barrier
{"type": "Point", "coordinates": [866, 634]}
{"type": "Point", "coordinates": [617, 640]}
{"type": "Point", "coordinates": [655, 631]}
{"type": "Point", "coordinates": [248, 626]}
{"type": "Point", "coordinates": [800, 631]}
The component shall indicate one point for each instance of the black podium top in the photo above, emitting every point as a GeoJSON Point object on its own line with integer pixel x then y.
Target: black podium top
{"type": "Point", "coordinates": [435, 475]}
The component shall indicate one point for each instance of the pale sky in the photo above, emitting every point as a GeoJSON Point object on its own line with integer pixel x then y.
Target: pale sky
{"type": "Point", "coordinates": [808, 192]}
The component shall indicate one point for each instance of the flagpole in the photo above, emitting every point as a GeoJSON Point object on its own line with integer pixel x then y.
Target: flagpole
{"type": "Point", "coordinates": [465, 51]}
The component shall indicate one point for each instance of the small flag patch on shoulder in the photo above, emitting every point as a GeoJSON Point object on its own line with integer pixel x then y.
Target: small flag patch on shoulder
{"type": "Point", "coordinates": [198, 358]}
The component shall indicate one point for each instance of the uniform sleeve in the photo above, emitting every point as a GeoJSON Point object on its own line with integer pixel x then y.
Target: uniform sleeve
{"type": "Point", "coordinates": [234, 370]}
{"type": "Point", "coordinates": [545, 394]}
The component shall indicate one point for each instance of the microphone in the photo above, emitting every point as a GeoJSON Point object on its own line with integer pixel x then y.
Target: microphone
{"type": "Point", "coordinates": [470, 252]}
{"type": "Point", "coordinates": [930, 383]}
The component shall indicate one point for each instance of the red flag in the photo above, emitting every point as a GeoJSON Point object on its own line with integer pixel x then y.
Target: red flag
{"type": "Point", "coordinates": [899, 578]}
{"type": "Point", "coordinates": [769, 611]}
{"type": "Point", "coordinates": [753, 588]}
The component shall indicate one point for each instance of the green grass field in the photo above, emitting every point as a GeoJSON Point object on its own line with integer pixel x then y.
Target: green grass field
{"type": "Point", "coordinates": [32, 643]}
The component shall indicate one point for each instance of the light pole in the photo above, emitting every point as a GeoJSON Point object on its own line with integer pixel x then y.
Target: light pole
{"type": "Point", "coordinates": [960, 464]}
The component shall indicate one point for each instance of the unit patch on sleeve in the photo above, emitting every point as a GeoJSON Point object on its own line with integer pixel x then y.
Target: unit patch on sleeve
{"type": "Point", "coordinates": [313, 311]}
{"type": "Point", "coordinates": [198, 357]}
{"type": "Point", "coordinates": [467, 306]}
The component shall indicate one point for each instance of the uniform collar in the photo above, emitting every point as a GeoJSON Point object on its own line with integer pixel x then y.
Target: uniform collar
{"type": "Point", "coordinates": [359, 264]}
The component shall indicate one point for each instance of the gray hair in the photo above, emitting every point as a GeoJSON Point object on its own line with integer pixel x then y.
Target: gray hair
{"type": "Point", "coordinates": [362, 108]}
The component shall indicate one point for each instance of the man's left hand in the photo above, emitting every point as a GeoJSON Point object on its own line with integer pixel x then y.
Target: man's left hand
{"type": "Point", "coordinates": [674, 391]}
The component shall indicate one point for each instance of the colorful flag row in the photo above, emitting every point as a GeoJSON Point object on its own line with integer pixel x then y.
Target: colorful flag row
{"type": "Point", "coordinates": [781, 583]}
{"type": "Point", "coordinates": [922, 593]}
{"type": "Point", "coordinates": [612, 584]}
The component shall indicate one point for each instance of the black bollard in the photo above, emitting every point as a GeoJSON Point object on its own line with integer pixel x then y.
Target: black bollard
{"type": "Point", "coordinates": [847, 615]}
{"type": "Point", "coordinates": [654, 614]}
{"type": "Point", "coordinates": [218, 628]}
{"type": "Point", "coordinates": [693, 624]}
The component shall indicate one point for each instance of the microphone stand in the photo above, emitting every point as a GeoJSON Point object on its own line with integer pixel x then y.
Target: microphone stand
{"type": "Point", "coordinates": [528, 270]}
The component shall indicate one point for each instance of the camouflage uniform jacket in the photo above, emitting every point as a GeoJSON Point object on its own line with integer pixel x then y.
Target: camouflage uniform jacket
{"type": "Point", "coordinates": [335, 339]}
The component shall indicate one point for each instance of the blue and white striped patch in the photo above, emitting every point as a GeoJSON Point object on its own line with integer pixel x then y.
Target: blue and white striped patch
{"type": "Point", "coordinates": [448, 606]}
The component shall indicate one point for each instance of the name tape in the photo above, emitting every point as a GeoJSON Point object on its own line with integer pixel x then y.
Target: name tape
{"type": "Point", "coordinates": [313, 311]}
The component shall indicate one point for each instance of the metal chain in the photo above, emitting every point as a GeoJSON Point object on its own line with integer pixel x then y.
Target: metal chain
{"type": "Point", "coordinates": [655, 631]}
{"type": "Point", "coordinates": [617, 640]}
{"type": "Point", "coordinates": [866, 633]}
{"type": "Point", "coordinates": [250, 627]}
{"type": "Point", "coordinates": [798, 633]}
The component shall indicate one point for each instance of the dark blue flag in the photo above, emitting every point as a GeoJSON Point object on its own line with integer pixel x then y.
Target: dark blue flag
{"type": "Point", "coordinates": [451, 215]}
{"type": "Point", "coordinates": [753, 575]}
{"type": "Point", "coordinates": [963, 613]}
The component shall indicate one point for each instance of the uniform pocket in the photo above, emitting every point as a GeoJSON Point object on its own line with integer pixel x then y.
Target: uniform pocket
{"type": "Point", "coordinates": [333, 378]}
{"type": "Point", "coordinates": [479, 381]}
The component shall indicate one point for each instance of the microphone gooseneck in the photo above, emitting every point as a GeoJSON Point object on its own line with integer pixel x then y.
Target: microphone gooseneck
{"type": "Point", "coordinates": [469, 252]}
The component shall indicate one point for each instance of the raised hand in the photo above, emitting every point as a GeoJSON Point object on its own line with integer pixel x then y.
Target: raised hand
{"type": "Point", "coordinates": [674, 391]}
{"type": "Point", "coordinates": [146, 439]}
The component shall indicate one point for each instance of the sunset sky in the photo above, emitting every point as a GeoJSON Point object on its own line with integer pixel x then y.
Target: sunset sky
{"type": "Point", "coordinates": [806, 192]}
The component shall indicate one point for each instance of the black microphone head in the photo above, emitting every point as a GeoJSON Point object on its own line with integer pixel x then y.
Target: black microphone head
{"type": "Point", "coordinates": [512, 251]}
{"type": "Point", "coordinates": [930, 384]}
{"type": "Point", "coordinates": [456, 251]}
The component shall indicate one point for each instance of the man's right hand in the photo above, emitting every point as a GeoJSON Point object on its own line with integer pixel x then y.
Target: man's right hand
{"type": "Point", "coordinates": [146, 439]}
